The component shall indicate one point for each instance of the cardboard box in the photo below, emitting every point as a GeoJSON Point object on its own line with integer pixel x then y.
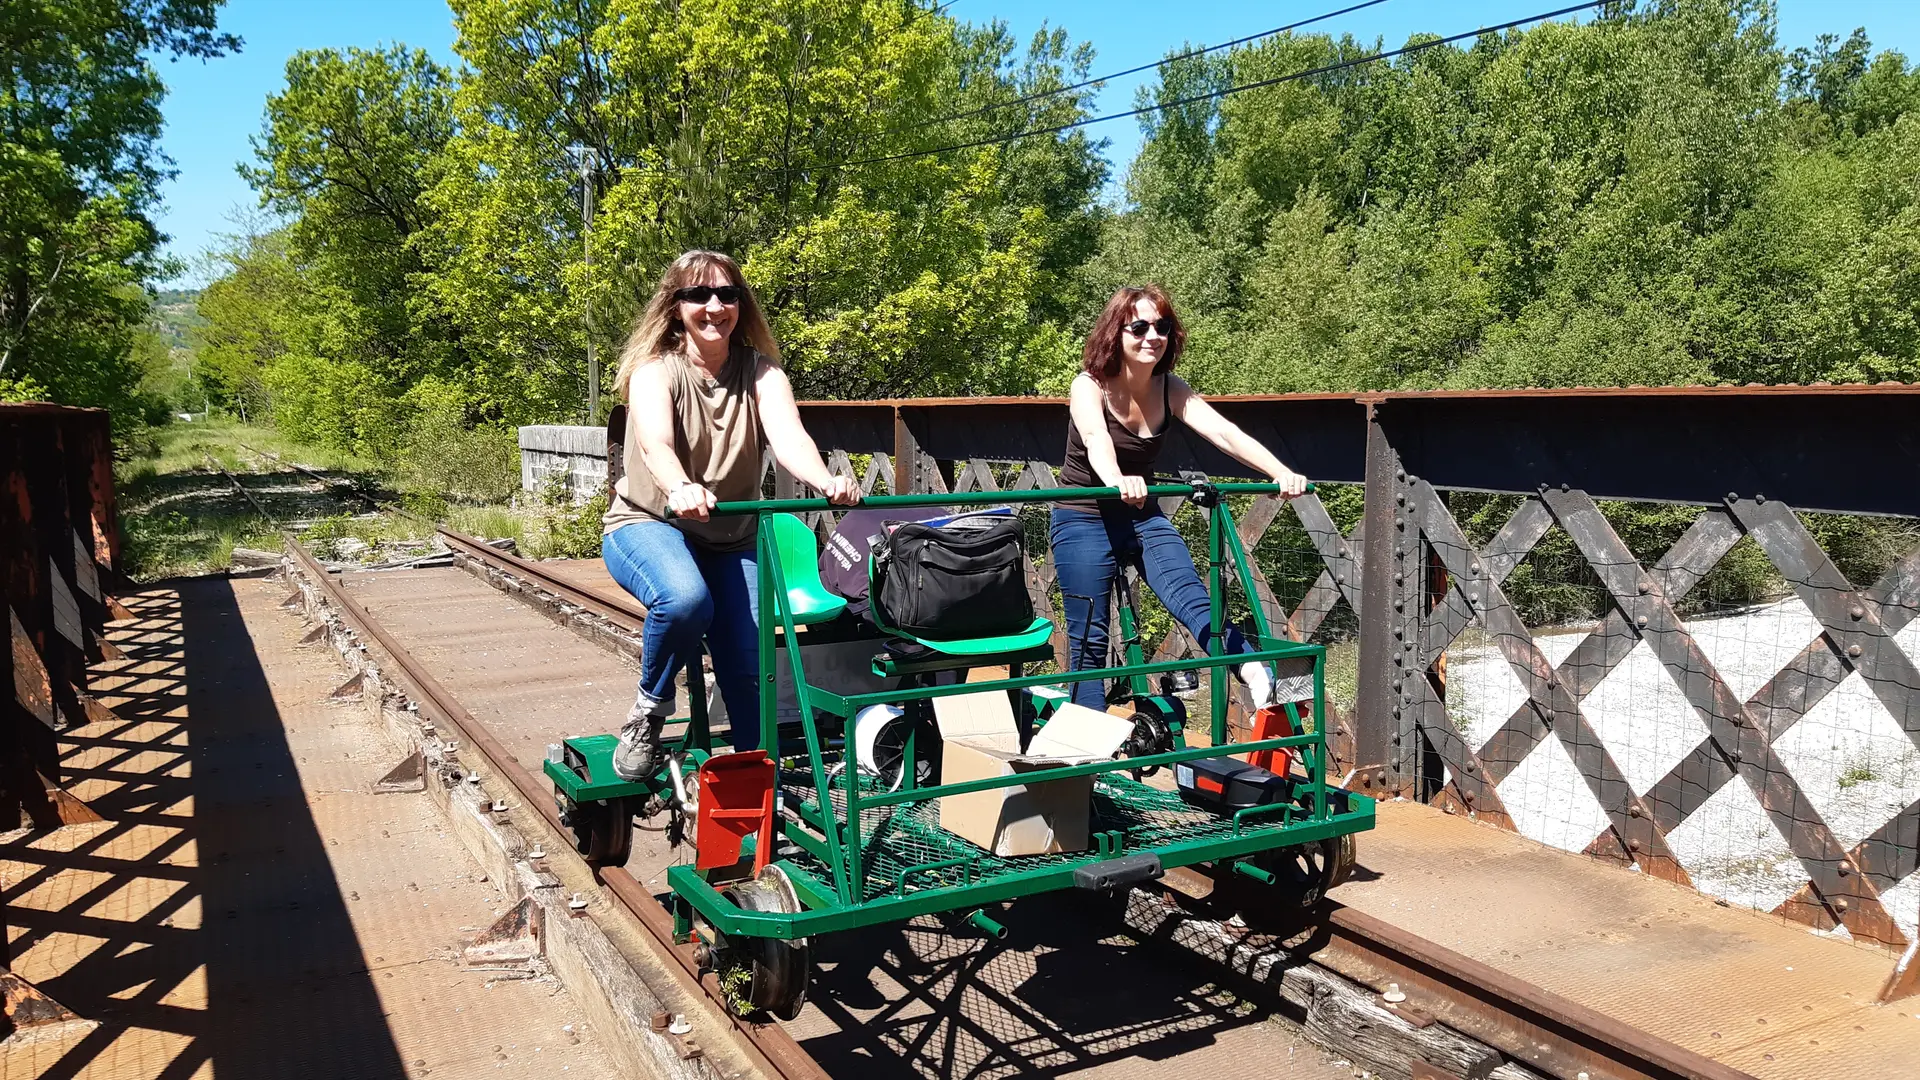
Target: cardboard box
{"type": "Point", "coordinates": [981, 740]}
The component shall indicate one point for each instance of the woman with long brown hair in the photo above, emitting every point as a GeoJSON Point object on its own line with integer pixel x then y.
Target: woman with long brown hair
{"type": "Point", "coordinates": [1122, 403]}
{"type": "Point", "coordinates": [705, 398]}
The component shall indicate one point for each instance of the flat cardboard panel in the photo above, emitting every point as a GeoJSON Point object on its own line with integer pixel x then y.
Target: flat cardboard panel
{"type": "Point", "coordinates": [1026, 819]}
{"type": "Point", "coordinates": [1076, 731]}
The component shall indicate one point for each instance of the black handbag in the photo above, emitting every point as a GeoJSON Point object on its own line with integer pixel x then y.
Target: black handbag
{"type": "Point", "coordinates": [952, 582]}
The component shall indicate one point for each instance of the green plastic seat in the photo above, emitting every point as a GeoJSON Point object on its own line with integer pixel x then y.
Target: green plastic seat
{"type": "Point", "coordinates": [1038, 633]}
{"type": "Point", "coordinates": [807, 599]}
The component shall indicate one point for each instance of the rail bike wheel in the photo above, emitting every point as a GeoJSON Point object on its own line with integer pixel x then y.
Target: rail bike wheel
{"type": "Point", "coordinates": [1304, 872]}
{"type": "Point", "coordinates": [602, 831]}
{"type": "Point", "coordinates": [763, 973]}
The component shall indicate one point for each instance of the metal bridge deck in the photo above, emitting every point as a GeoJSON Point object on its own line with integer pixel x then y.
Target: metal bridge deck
{"type": "Point", "coordinates": [1758, 994]}
{"type": "Point", "coordinates": [1747, 989]}
{"type": "Point", "coordinates": [250, 907]}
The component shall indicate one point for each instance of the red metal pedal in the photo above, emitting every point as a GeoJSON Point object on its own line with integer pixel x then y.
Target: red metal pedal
{"type": "Point", "coordinates": [735, 801]}
{"type": "Point", "coordinates": [1273, 722]}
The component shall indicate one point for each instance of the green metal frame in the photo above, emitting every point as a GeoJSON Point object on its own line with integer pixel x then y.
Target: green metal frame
{"type": "Point", "coordinates": [833, 849]}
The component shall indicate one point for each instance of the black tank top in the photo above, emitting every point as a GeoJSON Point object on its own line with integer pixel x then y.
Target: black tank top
{"type": "Point", "coordinates": [1135, 453]}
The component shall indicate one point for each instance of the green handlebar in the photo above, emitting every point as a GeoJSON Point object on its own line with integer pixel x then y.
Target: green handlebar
{"type": "Point", "coordinates": [983, 498]}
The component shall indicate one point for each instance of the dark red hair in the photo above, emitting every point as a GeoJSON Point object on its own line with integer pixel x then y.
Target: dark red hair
{"type": "Point", "coordinates": [1103, 356]}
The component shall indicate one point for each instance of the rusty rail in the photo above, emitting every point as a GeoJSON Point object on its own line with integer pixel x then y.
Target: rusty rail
{"type": "Point", "coordinates": [631, 618]}
{"type": "Point", "coordinates": [768, 1045]}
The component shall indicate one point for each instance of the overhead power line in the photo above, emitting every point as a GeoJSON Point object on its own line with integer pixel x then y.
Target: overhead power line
{"type": "Point", "coordinates": [1325, 69]}
{"type": "Point", "coordinates": [1190, 54]}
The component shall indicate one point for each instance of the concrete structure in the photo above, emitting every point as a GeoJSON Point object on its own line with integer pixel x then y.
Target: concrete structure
{"type": "Point", "coordinates": [576, 452]}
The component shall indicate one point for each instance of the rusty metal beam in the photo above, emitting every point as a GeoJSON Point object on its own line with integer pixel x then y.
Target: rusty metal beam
{"type": "Point", "coordinates": [1547, 692]}
{"type": "Point", "coordinates": [1704, 543]}
{"type": "Point", "coordinates": [1805, 446]}
{"type": "Point", "coordinates": [1601, 441]}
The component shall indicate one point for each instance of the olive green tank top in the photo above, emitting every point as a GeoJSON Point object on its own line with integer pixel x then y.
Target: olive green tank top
{"type": "Point", "coordinates": [719, 443]}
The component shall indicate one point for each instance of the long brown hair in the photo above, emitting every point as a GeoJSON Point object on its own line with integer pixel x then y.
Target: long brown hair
{"type": "Point", "coordinates": [658, 331]}
{"type": "Point", "coordinates": [1102, 356]}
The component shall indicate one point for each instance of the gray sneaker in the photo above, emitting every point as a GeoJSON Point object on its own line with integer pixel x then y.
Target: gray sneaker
{"type": "Point", "coordinates": [638, 754]}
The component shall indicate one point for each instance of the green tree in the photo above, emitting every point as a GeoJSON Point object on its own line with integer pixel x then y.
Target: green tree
{"type": "Point", "coordinates": [80, 171]}
{"type": "Point", "coordinates": [252, 316]}
{"type": "Point", "coordinates": [347, 152]}
{"type": "Point", "coordinates": [773, 134]}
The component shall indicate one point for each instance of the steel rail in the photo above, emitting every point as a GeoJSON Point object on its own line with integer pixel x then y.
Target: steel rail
{"type": "Point", "coordinates": [769, 1046]}
{"type": "Point", "coordinates": [628, 617]}
{"type": "Point", "coordinates": [1520, 1019]}
{"type": "Point", "coordinates": [332, 485]}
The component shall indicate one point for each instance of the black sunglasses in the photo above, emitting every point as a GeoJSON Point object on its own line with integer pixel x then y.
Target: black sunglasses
{"type": "Point", "coordinates": [1138, 327]}
{"type": "Point", "coordinates": [700, 294]}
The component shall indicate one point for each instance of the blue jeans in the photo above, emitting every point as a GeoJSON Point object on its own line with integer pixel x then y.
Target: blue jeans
{"type": "Point", "coordinates": [691, 594]}
{"type": "Point", "coordinates": [1089, 549]}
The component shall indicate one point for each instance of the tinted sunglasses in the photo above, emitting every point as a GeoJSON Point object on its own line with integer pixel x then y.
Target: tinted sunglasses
{"type": "Point", "coordinates": [700, 294]}
{"type": "Point", "coordinates": [1138, 327]}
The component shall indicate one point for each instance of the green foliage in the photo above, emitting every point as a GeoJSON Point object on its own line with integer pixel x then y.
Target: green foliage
{"type": "Point", "coordinates": [567, 531]}
{"type": "Point", "coordinates": [80, 171]}
{"type": "Point", "coordinates": [1660, 195]}
{"type": "Point", "coordinates": [23, 388]}
{"type": "Point", "coordinates": [1856, 774]}
{"type": "Point", "coordinates": [436, 234]}
{"type": "Point", "coordinates": [444, 458]}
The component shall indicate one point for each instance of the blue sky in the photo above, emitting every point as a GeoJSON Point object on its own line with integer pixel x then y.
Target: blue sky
{"type": "Point", "coordinates": [213, 107]}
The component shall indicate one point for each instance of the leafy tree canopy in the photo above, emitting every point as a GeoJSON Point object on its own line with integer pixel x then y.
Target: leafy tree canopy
{"type": "Point", "coordinates": [80, 171]}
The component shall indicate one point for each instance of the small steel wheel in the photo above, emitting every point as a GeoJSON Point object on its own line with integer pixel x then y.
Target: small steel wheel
{"type": "Point", "coordinates": [1151, 735]}
{"type": "Point", "coordinates": [1304, 872]}
{"type": "Point", "coordinates": [763, 974]}
{"type": "Point", "coordinates": [602, 831]}
{"type": "Point", "coordinates": [1348, 851]}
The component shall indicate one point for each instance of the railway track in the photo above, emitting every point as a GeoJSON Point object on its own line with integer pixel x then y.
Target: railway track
{"type": "Point", "coordinates": [770, 1047]}
{"type": "Point", "coordinates": [1547, 1031]}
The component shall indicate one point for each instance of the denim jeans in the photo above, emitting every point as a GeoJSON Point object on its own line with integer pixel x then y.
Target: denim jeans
{"type": "Point", "coordinates": [691, 594]}
{"type": "Point", "coordinates": [1089, 549]}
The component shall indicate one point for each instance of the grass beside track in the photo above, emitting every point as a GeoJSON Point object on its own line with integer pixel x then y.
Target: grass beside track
{"type": "Point", "coordinates": [181, 516]}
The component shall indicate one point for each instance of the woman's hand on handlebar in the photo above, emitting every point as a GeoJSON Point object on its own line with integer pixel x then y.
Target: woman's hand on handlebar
{"type": "Point", "coordinates": [842, 491]}
{"type": "Point", "coordinates": [1292, 484]}
{"type": "Point", "coordinates": [1133, 490]}
{"type": "Point", "coordinates": [690, 500]}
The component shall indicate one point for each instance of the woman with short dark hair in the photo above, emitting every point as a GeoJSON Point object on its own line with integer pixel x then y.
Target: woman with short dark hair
{"type": "Point", "coordinates": [705, 397]}
{"type": "Point", "coordinates": [1121, 404]}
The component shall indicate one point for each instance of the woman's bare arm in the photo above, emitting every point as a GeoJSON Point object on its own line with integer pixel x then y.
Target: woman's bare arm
{"type": "Point", "coordinates": [1089, 415]}
{"type": "Point", "coordinates": [1206, 422]}
{"type": "Point", "coordinates": [787, 437]}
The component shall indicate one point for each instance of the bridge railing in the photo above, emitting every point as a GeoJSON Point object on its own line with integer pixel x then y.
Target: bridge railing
{"type": "Point", "coordinates": [60, 548]}
{"type": "Point", "coordinates": [1521, 660]}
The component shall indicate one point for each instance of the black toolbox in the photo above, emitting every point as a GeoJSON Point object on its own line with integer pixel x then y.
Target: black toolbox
{"type": "Point", "coordinates": [1228, 783]}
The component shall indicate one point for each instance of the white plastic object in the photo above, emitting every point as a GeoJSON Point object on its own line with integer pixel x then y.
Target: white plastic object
{"type": "Point", "coordinates": [680, 1024]}
{"type": "Point", "coordinates": [1394, 994]}
{"type": "Point", "coordinates": [868, 724]}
